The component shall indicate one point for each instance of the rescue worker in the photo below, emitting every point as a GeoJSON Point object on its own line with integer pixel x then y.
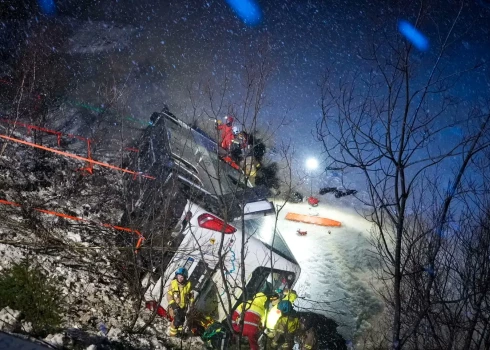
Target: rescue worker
{"type": "Point", "coordinates": [226, 131]}
{"type": "Point", "coordinates": [252, 312]}
{"type": "Point", "coordinates": [179, 297]}
{"type": "Point", "coordinates": [236, 147]}
{"type": "Point", "coordinates": [273, 314]}
{"type": "Point", "coordinates": [308, 339]}
{"type": "Point", "coordinates": [286, 327]}
{"type": "Point", "coordinates": [249, 166]}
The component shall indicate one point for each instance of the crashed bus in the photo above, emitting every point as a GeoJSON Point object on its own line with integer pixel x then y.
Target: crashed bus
{"type": "Point", "coordinates": [213, 248]}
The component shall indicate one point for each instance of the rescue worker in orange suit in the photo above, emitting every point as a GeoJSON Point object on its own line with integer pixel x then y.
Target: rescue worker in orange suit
{"type": "Point", "coordinates": [286, 327]}
{"type": "Point", "coordinates": [308, 338]}
{"type": "Point", "coordinates": [179, 297]}
{"type": "Point", "coordinates": [252, 312]}
{"type": "Point", "coordinates": [226, 133]}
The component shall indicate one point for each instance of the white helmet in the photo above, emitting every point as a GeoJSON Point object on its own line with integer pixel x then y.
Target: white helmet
{"type": "Point", "coordinates": [236, 130]}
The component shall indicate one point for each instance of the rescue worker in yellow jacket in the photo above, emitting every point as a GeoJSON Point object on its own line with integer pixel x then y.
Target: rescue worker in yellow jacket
{"type": "Point", "coordinates": [274, 313]}
{"type": "Point", "coordinates": [252, 312]}
{"type": "Point", "coordinates": [286, 327]}
{"type": "Point", "coordinates": [179, 297]}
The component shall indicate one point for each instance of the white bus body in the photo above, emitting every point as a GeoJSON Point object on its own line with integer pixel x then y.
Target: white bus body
{"type": "Point", "coordinates": [264, 252]}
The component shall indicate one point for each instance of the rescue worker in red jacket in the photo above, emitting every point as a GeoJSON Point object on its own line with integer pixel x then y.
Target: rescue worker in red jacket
{"type": "Point", "coordinates": [226, 133]}
{"type": "Point", "coordinates": [253, 313]}
{"type": "Point", "coordinates": [179, 297]}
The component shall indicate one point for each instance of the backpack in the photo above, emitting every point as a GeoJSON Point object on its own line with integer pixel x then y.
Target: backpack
{"type": "Point", "coordinates": [216, 336]}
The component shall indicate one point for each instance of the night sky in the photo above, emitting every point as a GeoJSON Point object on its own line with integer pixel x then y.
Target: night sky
{"type": "Point", "coordinates": [175, 44]}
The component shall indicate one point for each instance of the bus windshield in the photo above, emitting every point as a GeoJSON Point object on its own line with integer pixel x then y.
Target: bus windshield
{"type": "Point", "coordinates": [262, 228]}
{"type": "Point", "coordinates": [266, 281]}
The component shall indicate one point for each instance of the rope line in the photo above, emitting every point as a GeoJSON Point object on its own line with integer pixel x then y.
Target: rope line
{"type": "Point", "coordinates": [76, 218]}
{"type": "Point", "coordinates": [71, 155]}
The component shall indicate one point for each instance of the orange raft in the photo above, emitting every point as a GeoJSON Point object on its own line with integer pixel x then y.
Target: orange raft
{"type": "Point", "coordinates": [307, 219]}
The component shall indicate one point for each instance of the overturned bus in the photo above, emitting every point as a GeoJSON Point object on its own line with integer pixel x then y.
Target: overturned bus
{"type": "Point", "coordinates": [227, 227]}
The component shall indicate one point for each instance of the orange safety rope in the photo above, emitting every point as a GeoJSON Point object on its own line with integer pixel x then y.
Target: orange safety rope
{"type": "Point", "coordinates": [67, 154]}
{"type": "Point", "coordinates": [76, 218]}
{"type": "Point", "coordinates": [89, 168]}
{"type": "Point", "coordinates": [30, 127]}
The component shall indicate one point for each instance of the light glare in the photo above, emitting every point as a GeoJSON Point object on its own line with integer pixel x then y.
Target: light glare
{"type": "Point", "coordinates": [311, 163]}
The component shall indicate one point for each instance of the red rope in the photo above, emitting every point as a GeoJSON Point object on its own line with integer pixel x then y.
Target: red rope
{"type": "Point", "coordinates": [76, 218]}
{"type": "Point", "coordinates": [71, 155]}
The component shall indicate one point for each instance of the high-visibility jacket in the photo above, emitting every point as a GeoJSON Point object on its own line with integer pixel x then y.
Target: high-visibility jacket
{"type": "Point", "coordinates": [273, 314]}
{"type": "Point", "coordinates": [290, 295]}
{"type": "Point", "coordinates": [254, 311]}
{"type": "Point", "coordinates": [285, 330]}
{"type": "Point", "coordinates": [180, 293]}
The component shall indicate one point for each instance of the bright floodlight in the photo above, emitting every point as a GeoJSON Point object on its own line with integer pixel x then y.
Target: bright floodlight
{"type": "Point", "coordinates": [311, 163]}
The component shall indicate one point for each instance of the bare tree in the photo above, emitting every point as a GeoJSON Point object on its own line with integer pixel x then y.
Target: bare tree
{"type": "Point", "coordinates": [387, 124]}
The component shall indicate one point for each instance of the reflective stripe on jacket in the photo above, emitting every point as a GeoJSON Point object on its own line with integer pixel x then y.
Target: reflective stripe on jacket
{"type": "Point", "coordinates": [180, 293]}
{"type": "Point", "coordinates": [255, 306]}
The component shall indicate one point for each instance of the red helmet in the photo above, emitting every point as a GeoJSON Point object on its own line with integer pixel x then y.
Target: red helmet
{"type": "Point", "coordinates": [229, 120]}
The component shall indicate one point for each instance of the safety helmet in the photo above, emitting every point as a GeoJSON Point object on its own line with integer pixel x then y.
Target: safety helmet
{"type": "Point", "coordinates": [236, 130]}
{"type": "Point", "coordinates": [182, 271]}
{"type": "Point", "coordinates": [229, 120]}
{"type": "Point", "coordinates": [285, 306]}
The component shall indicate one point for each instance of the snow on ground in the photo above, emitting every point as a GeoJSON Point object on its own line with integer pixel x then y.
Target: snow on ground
{"type": "Point", "coordinates": [335, 265]}
{"type": "Point", "coordinates": [94, 291]}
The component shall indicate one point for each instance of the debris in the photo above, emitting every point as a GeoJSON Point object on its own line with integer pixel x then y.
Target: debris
{"type": "Point", "coordinates": [327, 190]}
{"type": "Point", "coordinates": [295, 197]}
{"type": "Point", "coordinates": [338, 193]}
{"type": "Point", "coordinates": [313, 201]}
{"type": "Point", "coordinates": [102, 328]}
{"type": "Point", "coordinates": [301, 233]}
{"type": "Point", "coordinates": [312, 219]}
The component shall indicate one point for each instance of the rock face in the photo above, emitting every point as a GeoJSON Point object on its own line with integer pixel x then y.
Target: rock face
{"type": "Point", "coordinates": [94, 278]}
{"type": "Point", "coordinates": [56, 340]}
{"type": "Point", "coordinates": [9, 320]}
